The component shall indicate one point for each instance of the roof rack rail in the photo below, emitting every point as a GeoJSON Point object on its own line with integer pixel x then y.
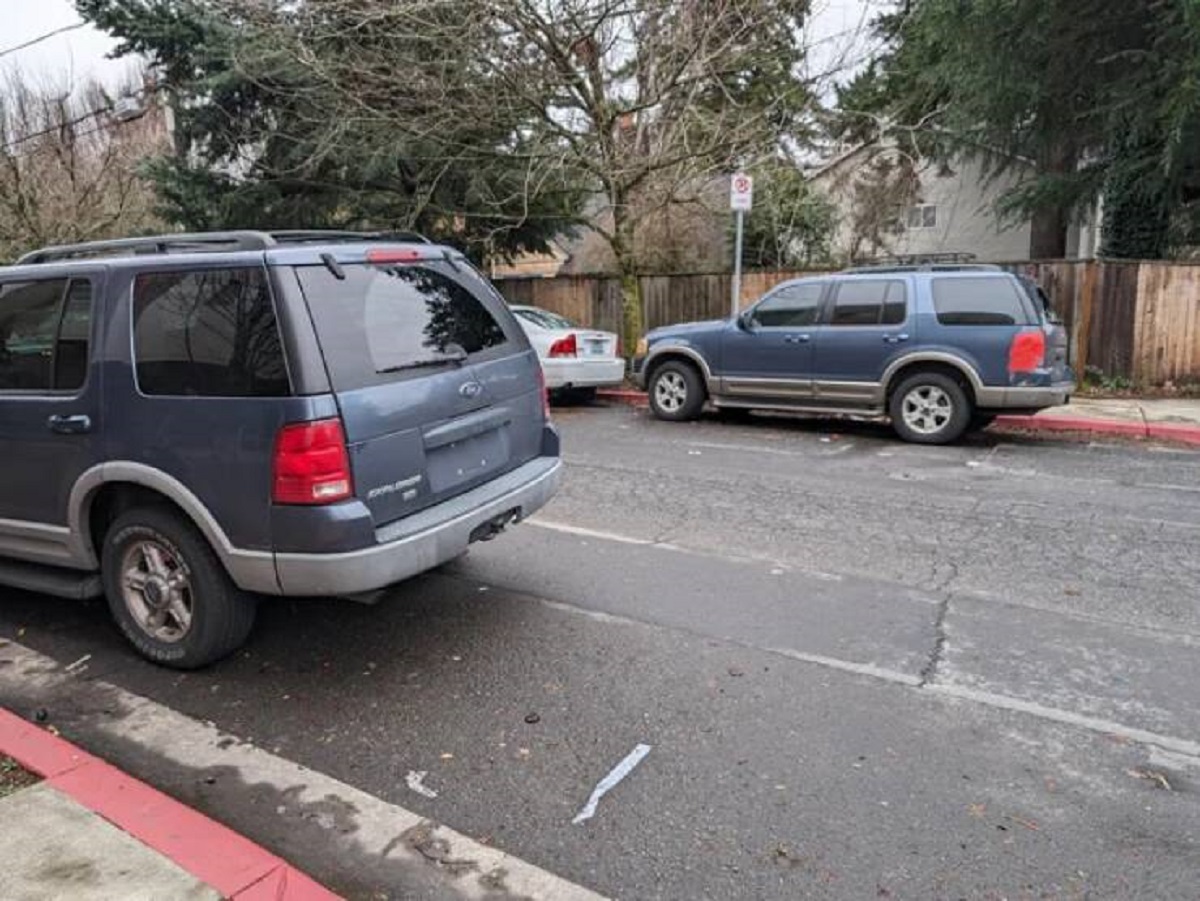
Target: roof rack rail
{"type": "Point", "coordinates": [206, 242]}
{"type": "Point", "coordinates": [211, 242]}
{"type": "Point", "coordinates": [925, 267]}
{"type": "Point", "coordinates": [317, 236]}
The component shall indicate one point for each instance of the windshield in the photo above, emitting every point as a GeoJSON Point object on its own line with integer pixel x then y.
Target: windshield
{"type": "Point", "coordinates": [544, 318]}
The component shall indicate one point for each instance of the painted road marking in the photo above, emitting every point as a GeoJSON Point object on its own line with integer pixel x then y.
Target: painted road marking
{"type": "Point", "coordinates": [609, 782]}
{"type": "Point", "coordinates": [580, 531]}
{"type": "Point", "coordinates": [990, 699]}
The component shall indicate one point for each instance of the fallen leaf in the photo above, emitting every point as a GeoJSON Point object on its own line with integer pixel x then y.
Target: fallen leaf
{"type": "Point", "coordinates": [1028, 824]}
{"type": "Point", "coordinates": [1152, 776]}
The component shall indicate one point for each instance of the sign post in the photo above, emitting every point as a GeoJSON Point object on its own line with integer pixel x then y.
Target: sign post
{"type": "Point", "coordinates": [741, 199]}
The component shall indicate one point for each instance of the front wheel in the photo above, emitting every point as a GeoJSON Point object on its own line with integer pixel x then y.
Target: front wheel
{"type": "Point", "coordinates": [169, 593]}
{"type": "Point", "coordinates": [676, 392]}
{"type": "Point", "coordinates": [930, 408]}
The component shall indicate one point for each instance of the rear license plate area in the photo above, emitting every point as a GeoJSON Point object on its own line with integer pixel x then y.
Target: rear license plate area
{"type": "Point", "coordinates": [466, 460]}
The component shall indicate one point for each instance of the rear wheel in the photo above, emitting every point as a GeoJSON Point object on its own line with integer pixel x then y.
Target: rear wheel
{"type": "Point", "coordinates": [676, 392]}
{"type": "Point", "coordinates": [930, 408]}
{"type": "Point", "coordinates": [169, 593]}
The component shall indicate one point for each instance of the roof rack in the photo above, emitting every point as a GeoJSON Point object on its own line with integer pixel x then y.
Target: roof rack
{"type": "Point", "coordinates": [946, 261]}
{"type": "Point", "coordinates": [205, 242]}
{"type": "Point", "coordinates": [926, 267]}
{"type": "Point", "coordinates": [318, 236]}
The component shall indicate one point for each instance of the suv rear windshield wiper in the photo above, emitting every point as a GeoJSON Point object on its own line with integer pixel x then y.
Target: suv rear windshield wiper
{"type": "Point", "coordinates": [455, 359]}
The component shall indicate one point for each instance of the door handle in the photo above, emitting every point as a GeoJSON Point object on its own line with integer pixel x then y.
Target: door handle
{"type": "Point", "coordinates": [798, 339]}
{"type": "Point", "coordinates": [70, 425]}
{"type": "Point", "coordinates": [894, 339]}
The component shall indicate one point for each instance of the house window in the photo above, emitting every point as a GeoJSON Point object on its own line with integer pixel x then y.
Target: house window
{"type": "Point", "coordinates": [923, 215]}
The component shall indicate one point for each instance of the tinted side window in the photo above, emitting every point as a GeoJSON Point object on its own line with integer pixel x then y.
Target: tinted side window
{"type": "Point", "coordinates": [44, 333]}
{"type": "Point", "coordinates": [977, 301]}
{"type": "Point", "coordinates": [384, 323]}
{"type": "Point", "coordinates": [862, 302]}
{"type": "Point", "coordinates": [791, 306]}
{"type": "Point", "coordinates": [208, 333]}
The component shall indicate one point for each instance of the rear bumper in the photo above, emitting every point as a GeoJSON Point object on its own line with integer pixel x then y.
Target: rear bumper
{"type": "Point", "coordinates": [419, 542]}
{"type": "Point", "coordinates": [584, 373]}
{"type": "Point", "coordinates": [1038, 398]}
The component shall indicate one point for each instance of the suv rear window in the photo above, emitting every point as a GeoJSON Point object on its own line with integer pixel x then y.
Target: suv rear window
{"type": "Point", "coordinates": [207, 333]}
{"type": "Point", "coordinates": [977, 301]}
{"type": "Point", "coordinates": [383, 323]}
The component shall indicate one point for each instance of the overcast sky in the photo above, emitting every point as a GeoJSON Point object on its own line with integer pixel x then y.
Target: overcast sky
{"type": "Point", "coordinates": [834, 33]}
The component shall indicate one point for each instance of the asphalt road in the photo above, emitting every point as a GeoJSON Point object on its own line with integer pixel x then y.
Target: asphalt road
{"type": "Point", "coordinates": [864, 669]}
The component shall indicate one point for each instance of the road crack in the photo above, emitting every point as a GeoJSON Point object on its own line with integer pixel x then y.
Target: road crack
{"type": "Point", "coordinates": [929, 672]}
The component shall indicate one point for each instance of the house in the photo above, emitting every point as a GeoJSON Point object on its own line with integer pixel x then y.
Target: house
{"type": "Point", "coordinates": [891, 205]}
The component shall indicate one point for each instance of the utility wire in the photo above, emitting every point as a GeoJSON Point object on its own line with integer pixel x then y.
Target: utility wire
{"type": "Point", "coordinates": [71, 123]}
{"type": "Point", "coordinates": [44, 37]}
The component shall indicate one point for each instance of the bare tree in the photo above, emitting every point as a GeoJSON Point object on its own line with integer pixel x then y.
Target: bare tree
{"type": "Point", "coordinates": [69, 165]}
{"type": "Point", "coordinates": [644, 102]}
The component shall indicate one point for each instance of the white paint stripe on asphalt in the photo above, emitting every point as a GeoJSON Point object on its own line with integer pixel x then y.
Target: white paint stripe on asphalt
{"type": "Point", "coordinates": [1003, 702]}
{"type": "Point", "coordinates": [1068, 718]}
{"type": "Point", "coordinates": [1162, 487]}
{"type": "Point", "coordinates": [849, 666]}
{"type": "Point", "coordinates": [552, 526]}
{"type": "Point", "coordinates": [609, 782]}
{"type": "Point", "coordinates": [588, 533]}
{"type": "Point", "coordinates": [384, 834]}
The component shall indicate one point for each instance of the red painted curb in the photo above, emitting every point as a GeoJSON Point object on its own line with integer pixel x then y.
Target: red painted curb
{"type": "Point", "coordinates": [1181, 434]}
{"type": "Point", "coordinates": [1043, 423]}
{"type": "Point", "coordinates": [214, 854]}
{"type": "Point", "coordinates": [624, 396]}
{"type": "Point", "coordinates": [1166, 431]}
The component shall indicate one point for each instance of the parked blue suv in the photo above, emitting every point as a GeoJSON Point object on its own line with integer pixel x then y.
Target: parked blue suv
{"type": "Point", "coordinates": [937, 349]}
{"type": "Point", "coordinates": [190, 421]}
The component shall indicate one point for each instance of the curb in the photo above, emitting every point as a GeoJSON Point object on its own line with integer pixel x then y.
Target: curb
{"type": "Point", "coordinates": [214, 854]}
{"type": "Point", "coordinates": [1177, 433]}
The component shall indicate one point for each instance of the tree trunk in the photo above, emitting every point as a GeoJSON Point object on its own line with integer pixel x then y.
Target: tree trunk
{"type": "Point", "coordinates": [1048, 233]}
{"type": "Point", "coordinates": [1049, 225]}
{"type": "Point", "coordinates": [631, 289]}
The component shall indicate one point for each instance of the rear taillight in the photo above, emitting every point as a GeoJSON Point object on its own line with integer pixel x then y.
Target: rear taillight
{"type": "Point", "coordinates": [311, 464]}
{"type": "Point", "coordinates": [545, 393]}
{"type": "Point", "coordinates": [565, 347]}
{"type": "Point", "coordinates": [1027, 352]}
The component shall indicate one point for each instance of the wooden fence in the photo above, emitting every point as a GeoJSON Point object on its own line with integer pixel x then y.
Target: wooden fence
{"type": "Point", "coordinates": [1137, 320]}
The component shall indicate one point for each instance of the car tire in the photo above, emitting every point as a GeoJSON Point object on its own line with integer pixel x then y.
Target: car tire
{"type": "Point", "coordinates": [676, 392]}
{"type": "Point", "coordinates": [930, 408]}
{"type": "Point", "coordinates": [156, 567]}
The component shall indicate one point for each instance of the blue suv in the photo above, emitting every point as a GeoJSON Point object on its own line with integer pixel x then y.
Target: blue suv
{"type": "Point", "coordinates": [188, 422]}
{"type": "Point", "coordinates": [939, 350]}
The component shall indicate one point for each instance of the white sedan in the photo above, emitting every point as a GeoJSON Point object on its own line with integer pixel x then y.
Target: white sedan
{"type": "Point", "coordinates": [575, 360]}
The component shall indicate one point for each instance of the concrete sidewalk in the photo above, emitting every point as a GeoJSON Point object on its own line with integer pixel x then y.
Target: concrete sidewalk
{"type": "Point", "coordinates": [1176, 420]}
{"type": "Point", "coordinates": [89, 831]}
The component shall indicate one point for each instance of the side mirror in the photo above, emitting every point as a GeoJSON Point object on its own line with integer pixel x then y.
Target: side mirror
{"type": "Point", "coordinates": [745, 321]}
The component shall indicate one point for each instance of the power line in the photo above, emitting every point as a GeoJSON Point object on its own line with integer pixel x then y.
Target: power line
{"type": "Point", "coordinates": [44, 37]}
{"type": "Point", "coordinates": [145, 93]}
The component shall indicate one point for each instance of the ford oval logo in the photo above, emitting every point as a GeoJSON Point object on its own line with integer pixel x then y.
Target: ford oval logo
{"type": "Point", "coordinates": [470, 389]}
